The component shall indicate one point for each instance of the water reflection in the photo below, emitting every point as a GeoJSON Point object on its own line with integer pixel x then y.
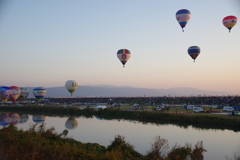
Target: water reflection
{"type": "Point", "coordinates": [5, 119]}
{"type": "Point", "coordinates": [39, 118]}
{"type": "Point", "coordinates": [98, 118]}
{"type": "Point", "coordinates": [71, 123]}
{"type": "Point", "coordinates": [15, 118]}
{"type": "Point", "coordinates": [23, 118]}
{"type": "Point", "coordinates": [12, 118]}
{"type": "Point", "coordinates": [102, 129]}
{"type": "Point", "coordinates": [203, 127]}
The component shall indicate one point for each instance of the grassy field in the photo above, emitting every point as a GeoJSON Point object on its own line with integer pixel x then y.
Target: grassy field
{"type": "Point", "coordinates": [178, 110]}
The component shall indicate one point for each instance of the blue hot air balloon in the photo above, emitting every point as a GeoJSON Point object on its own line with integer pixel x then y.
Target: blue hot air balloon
{"type": "Point", "coordinates": [183, 16]}
{"type": "Point", "coordinates": [5, 93]}
{"type": "Point", "coordinates": [193, 52]}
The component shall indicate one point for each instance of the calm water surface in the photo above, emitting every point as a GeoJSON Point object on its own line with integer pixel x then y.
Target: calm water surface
{"type": "Point", "coordinates": [218, 143]}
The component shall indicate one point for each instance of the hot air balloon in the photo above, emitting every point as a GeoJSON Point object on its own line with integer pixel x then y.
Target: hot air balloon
{"type": "Point", "coordinates": [39, 93]}
{"type": "Point", "coordinates": [71, 123]}
{"type": "Point", "coordinates": [5, 93]}
{"type": "Point", "coordinates": [229, 22]}
{"type": "Point", "coordinates": [193, 52]}
{"type": "Point", "coordinates": [39, 119]}
{"type": "Point", "coordinates": [15, 93]}
{"type": "Point", "coordinates": [183, 16]}
{"type": "Point", "coordinates": [24, 93]}
{"type": "Point", "coordinates": [71, 86]}
{"type": "Point", "coordinates": [123, 55]}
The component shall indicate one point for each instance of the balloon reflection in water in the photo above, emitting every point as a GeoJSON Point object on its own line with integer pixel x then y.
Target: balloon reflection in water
{"type": "Point", "coordinates": [5, 119]}
{"type": "Point", "coordinates": [15, 118]}
{"type": "Point", "coordinates": [71, 123]}
{"type": "Point", "coordinates": [39, 118]}
{"type": "Point", "coordinates": [23, 118]}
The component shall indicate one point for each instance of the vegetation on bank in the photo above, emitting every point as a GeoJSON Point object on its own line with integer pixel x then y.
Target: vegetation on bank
{"type": "Point", "coordinates": [199, 120]}
{"type": "Point", "coordinates": [40, 143]}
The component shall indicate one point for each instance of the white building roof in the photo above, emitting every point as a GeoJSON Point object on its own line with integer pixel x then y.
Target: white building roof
{"type": "Point", "coordinates": [101, 106]}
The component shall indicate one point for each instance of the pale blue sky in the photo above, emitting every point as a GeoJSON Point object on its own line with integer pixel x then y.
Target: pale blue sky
{"type": "Point", "coordinates": [45, 43]}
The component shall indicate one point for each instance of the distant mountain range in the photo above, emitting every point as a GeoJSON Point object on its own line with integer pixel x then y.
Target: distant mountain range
{"type": "Point", "coordinates": [123, 91]}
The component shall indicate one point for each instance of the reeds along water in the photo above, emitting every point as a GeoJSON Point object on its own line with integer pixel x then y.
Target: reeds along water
{"type": "Point", "coordinates": [41, 143]}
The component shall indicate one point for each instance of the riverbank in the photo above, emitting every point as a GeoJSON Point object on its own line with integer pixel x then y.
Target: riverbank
{"type": "Point", "coordinates": [205, 120]}
{"type": "Point", "coordinates": [40, 143]}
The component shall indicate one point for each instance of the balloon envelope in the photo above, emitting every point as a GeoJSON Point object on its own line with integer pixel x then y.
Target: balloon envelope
{"type": "Point", "coordinates": [123, 55]}
{"type": "Point", "coordinates": [229, 22]}
{"type": "Point", "coordinates": [15, 93]}
{"type": "Point", "coordinates": [71, 86]}
{"type": "Point", "coordinates": [194, 51]}
{"type": "Point", "coordinates": [5, 93]}
{"type": "Point", "coordinates": [24, 93]}
{"type": "Point", "coordinates": [39, 93]}
{"type": "Point", "coordinates": [183, 16]}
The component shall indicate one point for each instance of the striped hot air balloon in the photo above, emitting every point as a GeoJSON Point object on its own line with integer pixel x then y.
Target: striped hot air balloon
{"type": "Point", "coordinates": [229, 22]}
{"type": "Point", "coordinates": [39, 93]}
{"type": "Point", "coordinates": [123, 55]}
{"type": "Point", "coordinates": [183, 16]}
{"type": "Point", "coordinates": [193, 52]}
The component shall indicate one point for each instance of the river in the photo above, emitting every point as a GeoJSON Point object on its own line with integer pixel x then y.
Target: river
{"type": "Point", "coordinates": [218, 143]}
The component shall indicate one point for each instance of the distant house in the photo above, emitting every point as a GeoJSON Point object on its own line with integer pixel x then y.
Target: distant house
{"type": "Point", "coordinates": [100, 107]}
